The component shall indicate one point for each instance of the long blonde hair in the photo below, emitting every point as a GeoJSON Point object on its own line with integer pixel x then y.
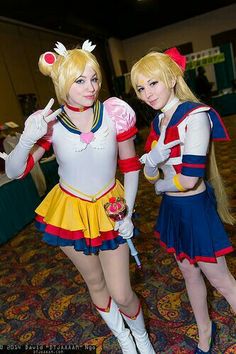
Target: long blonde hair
{"type": "Point", "coordinates": [66, 69]}
{"type": "Point", "coordinates": [160, 66]}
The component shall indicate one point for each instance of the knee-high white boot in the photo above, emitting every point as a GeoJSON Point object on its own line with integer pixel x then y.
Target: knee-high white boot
{"type": "Point", "coordinates": [137, 326]}
{"type": "Point", "coordinates": [111, 315]}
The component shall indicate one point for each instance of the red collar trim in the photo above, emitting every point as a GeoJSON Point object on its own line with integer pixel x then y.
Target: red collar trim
{"type": "Point", "coordinates": [77, 109]}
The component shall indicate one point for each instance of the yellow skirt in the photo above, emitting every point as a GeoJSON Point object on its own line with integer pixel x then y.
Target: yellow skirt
{"type": "Point", "coordinates": [67, 220]}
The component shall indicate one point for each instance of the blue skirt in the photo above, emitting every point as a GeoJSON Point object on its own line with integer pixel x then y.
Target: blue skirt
{"type": "Point", "coordinates": [191, 228]}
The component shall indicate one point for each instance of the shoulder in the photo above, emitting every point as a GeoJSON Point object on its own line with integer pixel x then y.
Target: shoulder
{"type": "Point", "coordinates": [119, 109]}
{"type": "Point", "coordinates": [123, 117]}
{"type": "Point", "coordinates": [188, 107]}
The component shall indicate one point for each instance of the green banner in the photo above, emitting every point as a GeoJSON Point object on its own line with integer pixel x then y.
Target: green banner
{"type": "Point", "coordinates": [219, 58]}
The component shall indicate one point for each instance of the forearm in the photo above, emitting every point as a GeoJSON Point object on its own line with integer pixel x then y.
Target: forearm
{"type": "Point", "coordinates": [188, 182]}
{"type": "Point", "coordinates": [16, 161]}
{"type": "Point", "coordinates": [151, 173]}
{"type": "Point", "coordinates": [130, 189]}
{"type": "Point", "coordinates": [177, 183]}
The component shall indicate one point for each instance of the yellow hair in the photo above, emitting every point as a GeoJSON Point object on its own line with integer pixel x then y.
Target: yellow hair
{"type": "Point", "coordinates": [161, 67]}
{"type": "Point", "coordinates": [65, 70]}
{"type": "Point", "coordinates": [216, 181]}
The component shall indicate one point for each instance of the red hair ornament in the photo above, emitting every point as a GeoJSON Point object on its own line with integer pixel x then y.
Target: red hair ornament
{"type": "Point", "coordinates": [49, 58]}
{"type": "Point", "coordinates": [175, 55]}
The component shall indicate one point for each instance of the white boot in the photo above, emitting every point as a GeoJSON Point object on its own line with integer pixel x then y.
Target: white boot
{"type": "Point", "coordinates": [115, 322]}
{"type": "Point", "coordinates": [137, 326]}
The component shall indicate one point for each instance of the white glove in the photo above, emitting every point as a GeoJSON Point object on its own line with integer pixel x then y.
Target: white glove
{"type": "Point", "coordinates": [125, 227]}
{"type": "Point", "coordinates": [143, 159]}
{"type": "Point", "coordinates": [161, 151]}
{"type": "Point", "coordinates": [165, 185]}
{"type": "Point", "coordinates": [36, 125]}
{"type": "Point", "coordinates": [3, 155]}
{"type": "Point", "coordinates": [35, 128]}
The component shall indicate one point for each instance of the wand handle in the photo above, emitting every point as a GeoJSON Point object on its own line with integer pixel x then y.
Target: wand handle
{"type": "Point", "coordinates": [134, 252]}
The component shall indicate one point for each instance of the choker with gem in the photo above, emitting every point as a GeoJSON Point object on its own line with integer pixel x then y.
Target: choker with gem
{"type": "Point", "coordinates": [77, 109]}
{"type": "Point", "coordinates": [170, 104]}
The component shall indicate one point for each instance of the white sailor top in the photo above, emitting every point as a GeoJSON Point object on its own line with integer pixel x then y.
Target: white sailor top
{"type": "Point", "coordinates": [194, 124]}
{"type": "Point", "coordinates": [88, 161]}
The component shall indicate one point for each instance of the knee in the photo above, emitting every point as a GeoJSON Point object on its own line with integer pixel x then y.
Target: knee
{"type": "Point", "coordinates": [123, 299]}
{"type": "Point", "coordinates": [223, 284]}
{"type": "Point", "coordinates": [96, 283]}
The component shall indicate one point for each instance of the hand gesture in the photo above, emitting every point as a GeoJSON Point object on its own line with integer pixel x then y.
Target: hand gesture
{"type": "Point", "coordinates": [143, 158]}
{"type": "Point", "coordinates": [3, 155]}
{"type": "Point", "coordinates": [161, 151]}
{"type": "Point", "coordinates": [36, 124]}
{"type": "Point", "coordinates": [125, 227]}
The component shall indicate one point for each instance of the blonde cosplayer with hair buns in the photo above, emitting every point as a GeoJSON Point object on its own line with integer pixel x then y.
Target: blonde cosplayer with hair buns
{"type": "Point", "coordinates": [162, 67]}
{"type": "Point", "coordinates": [67, 68]}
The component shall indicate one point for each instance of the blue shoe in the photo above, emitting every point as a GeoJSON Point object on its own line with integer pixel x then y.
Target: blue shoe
{"type": "Point", "coordinates": [212, 340]}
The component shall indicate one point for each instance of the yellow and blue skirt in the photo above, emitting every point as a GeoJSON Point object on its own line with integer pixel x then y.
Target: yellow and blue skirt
{"type": "Point", "coordinates": [67, 220]}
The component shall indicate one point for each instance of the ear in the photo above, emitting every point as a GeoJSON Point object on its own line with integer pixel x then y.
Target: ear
{"type": "Point", "coordinates": [172, 83]}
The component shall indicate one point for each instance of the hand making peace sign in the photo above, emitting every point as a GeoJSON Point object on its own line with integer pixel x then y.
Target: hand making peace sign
{"type": "Point", "coordinates": [36, 124]}
{"type": "Point", "coordinates": [161, 151]}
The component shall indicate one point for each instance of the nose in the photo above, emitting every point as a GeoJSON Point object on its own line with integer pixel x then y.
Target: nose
{"type": "Point", "coordinates": [90, 86]}
{"type": "Point", "coordinates": [148, 93]}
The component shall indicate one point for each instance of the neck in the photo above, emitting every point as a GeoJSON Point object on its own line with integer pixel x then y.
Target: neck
{"type": "Point", "coordinates": [170, 104]}
{"type": "Point", "coordinates": [77, 109]}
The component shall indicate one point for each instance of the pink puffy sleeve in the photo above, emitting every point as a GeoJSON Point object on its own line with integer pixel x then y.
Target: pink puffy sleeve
{"type": "Point", "coordinates": [123, 116]}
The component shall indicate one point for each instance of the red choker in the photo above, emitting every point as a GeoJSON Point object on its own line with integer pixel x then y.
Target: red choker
{"type": "Point", "coordinates": [77, 109]}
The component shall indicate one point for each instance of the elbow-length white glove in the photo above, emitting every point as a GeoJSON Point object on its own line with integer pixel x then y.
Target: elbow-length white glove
{"type": "Point", "coordinates": [125, 227]}
{"type": "Point", "coordinates": [35, 128]}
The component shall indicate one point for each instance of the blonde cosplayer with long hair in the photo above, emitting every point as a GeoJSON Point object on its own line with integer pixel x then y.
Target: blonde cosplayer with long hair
{"type": "Point", "coordinates": [180, 145]}
{"type": "Point", "coordinates": [161, 67]}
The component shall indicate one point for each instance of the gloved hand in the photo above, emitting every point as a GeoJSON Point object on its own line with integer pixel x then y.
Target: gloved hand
{"type": "Point", "coordinates": [161, 151]}
{"type": "Point", "coordinates": [36, 125]}
{"type": "Point", "coordinates": [35, 128]}
{"type": "Point", "coordinates": [125, 227]}
{"type": "Point", "coordinates": [3, 155]}
{"type": "Point", "coordinates": [165, 185]}
{"type": "Point", "coordinates": [143, 159]}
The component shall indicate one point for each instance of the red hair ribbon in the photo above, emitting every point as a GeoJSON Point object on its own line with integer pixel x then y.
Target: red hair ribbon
{"type": "Point", "coordinates": [177, 57]}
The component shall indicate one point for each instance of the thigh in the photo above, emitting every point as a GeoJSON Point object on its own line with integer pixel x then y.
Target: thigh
{"type": "Point", "coordinates": [89, 266]}
{"type": "Point", "coordinates": [214, 271]}
{"type": "Point", "coordinates": [115, 265]}
{"type": "Point", "coordinates": [188, 270]}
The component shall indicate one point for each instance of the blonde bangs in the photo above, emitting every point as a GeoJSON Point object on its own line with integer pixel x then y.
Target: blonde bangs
{"type": "Point", "coordinates": [152, 66]}
{"type": "Point", "coordinates": [68, 69]}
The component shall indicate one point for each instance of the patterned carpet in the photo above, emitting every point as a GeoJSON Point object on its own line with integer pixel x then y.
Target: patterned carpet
{"type": "Point", "coordinates": [43, 299]}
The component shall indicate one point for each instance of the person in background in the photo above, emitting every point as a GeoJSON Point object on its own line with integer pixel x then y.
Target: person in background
{"type": "Point", "coordinates": [203, 86]}
{"type": "Point", "coordinates": [88, 137]}
{"type": "Point", "coordinates": [179, 149]}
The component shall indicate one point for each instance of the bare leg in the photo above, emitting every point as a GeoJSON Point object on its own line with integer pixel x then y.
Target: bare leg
{"type": "Point", "coordinates": [197, 294]}
{"type": "Point", "coordinates": [107, 275]}
{"type": "Point", "coordinates": [115, 265]}
{"type": "Point", "coordinates": [220, 277]}
{"type": "Point", "coordinates": [91, 271]}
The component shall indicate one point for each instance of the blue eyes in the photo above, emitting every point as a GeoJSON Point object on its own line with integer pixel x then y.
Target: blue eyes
{"type": "Point", "coordinates": [151, 84]}
{"type": "Point", "coordinates": [82, 81]}
{"type": "Point", "coordinates": [79, 81]}
{"type": "Point", "coordinates": [140, 89]}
